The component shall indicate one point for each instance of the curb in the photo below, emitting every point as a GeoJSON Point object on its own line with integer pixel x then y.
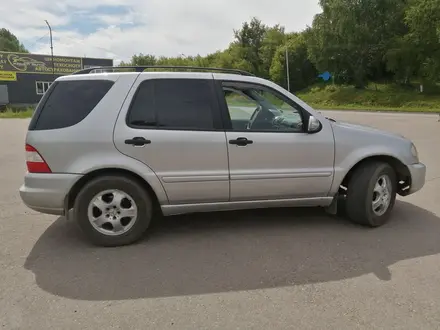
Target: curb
{"type": "Point", "coordinates": [386, 111]}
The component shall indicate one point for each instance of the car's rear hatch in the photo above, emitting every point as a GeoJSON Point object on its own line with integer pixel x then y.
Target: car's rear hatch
{"type": "Point", "coordinates": [75, 117]}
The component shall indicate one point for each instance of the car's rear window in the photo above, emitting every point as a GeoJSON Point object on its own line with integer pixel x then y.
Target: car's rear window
{"type": "Point", "coordinates": [66, 103]}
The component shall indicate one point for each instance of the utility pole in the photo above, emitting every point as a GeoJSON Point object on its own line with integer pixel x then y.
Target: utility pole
{"type": "Point", "coordinates": [51, 50]}
{"type": "Point", "coordinates": [287, 68]}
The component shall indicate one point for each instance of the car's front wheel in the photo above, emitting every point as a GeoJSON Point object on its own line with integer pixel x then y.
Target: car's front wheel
{"type": "Point", "coordinates": [113, 210]}
{"type": "Point", "coordinates": [371, 194]}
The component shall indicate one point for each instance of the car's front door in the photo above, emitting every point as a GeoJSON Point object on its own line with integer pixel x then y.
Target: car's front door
{"type": "Point", "coordinates": [186, 142]}
{"type": "Point", "coordinates": [271, 156]}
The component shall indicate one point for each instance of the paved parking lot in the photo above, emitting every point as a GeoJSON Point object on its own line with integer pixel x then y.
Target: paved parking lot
{"type": "Point", "coordinates": [265, 269]}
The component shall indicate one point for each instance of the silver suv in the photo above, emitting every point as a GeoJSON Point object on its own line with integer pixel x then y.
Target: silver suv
{"type": "Point", "coordinates": [118, 146]}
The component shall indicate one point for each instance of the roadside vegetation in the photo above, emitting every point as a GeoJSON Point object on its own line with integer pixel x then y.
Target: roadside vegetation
{"type": "Point", "coordinates": [374, 97]}
{"type": "Point", "coordinates": [379, 55]}
{"type": "Point", "coordinates": [386, 97]}
{"type": "Point", "coordinates": [358, 42]}
{"type": "Point", "coordinates": [16, 112]}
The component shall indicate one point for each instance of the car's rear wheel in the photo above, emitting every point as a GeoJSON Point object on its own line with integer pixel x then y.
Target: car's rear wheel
{"type": "Point", "coordinates": [113, 210]}
{"type": "Point", "coordinates": [371, 194]}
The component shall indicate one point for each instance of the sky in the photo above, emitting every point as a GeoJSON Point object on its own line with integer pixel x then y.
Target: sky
{"type": "Point", "coordinates": [118, 29]}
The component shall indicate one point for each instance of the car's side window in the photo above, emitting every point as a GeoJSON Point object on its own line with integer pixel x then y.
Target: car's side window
{"type": "Point", "coordinates": [264, 110]}
{"type": "Point", "coordinates": [240, 107]}
{"type": "Point", "coordinates": [172, 104]}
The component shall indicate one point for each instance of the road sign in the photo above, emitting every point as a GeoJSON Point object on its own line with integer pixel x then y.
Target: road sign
{"type": "Point", "coordinates": [326, 76]}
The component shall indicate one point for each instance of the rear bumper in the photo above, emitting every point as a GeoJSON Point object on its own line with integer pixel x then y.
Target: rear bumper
{"type": "Point", "coordinates": [45, 193]}
{"type": "Point", "coordinates": [418, 177]}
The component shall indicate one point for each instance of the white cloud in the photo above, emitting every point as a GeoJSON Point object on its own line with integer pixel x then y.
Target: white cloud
{"type": "Point", "coordinates": [160, 27]}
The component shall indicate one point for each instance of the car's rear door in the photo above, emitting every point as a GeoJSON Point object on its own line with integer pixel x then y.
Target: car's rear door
{"type": "Point", "coordinates": [178, 116]}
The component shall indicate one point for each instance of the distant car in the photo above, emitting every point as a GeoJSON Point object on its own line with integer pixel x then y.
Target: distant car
{"type": "Point", "coordinates": [117, 146]}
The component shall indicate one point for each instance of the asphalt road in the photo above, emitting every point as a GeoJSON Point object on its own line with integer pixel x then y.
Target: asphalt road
{"type": "Point", "coordinates": [266, 269]}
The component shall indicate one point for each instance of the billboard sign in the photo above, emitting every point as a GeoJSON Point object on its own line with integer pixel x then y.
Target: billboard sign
{"type": "Point", "coordinates": [34, 63]}
{"type": "Point", "coordinates": [8, 76]}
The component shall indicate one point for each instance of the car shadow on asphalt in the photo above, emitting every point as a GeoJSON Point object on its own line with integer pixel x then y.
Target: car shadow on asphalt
{"type": "Point", "coordinates": [230, 251]}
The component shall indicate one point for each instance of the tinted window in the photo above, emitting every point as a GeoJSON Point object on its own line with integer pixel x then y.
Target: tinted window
{"type": "Point", "coordinates": [66, 103]}
{"type": "Point", "coordinates": [173, 103]}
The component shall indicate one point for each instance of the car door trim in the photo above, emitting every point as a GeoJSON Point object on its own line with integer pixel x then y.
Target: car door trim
{"type": "Point", "coordinates": [198, 178]}
{"type": "Point", "coordinates": [280, 175]}
{"type": "Point", "coordinates": [243, 205]}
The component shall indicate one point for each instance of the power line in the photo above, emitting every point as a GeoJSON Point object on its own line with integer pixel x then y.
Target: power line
{"type": "Point", "coordinates": [35, 42]}
{"type": "Point", "coordinates": [81, 41]}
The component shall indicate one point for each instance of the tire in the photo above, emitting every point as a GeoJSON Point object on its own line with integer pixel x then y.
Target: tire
{"type": "Point", "coordinates": [361, 193]}
{"type": "Point", "coordinates": [113, 197]}
{"type": "Point", "coordinates": [342, 207]}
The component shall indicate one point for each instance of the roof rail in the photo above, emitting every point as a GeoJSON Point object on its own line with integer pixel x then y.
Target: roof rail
{"type": "Point", "coordinates": [168, 67]}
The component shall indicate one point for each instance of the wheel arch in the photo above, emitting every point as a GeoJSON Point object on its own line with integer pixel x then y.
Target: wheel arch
{"type": "Point", "coordinates": [402, 171]}
{"type": "Point", "coordinates": [76, 188]}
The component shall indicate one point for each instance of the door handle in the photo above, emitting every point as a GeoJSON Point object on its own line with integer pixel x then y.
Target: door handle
{"type": "Point", "coordinates": [138, 141]}
{"type": "Point", "coordinates": [241, 142]}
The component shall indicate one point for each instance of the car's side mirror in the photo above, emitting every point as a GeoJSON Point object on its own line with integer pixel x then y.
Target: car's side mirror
{"type": "Point", "coordinates": [314, 125]}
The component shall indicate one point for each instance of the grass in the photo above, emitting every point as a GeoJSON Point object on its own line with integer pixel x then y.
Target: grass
{"type": "Point", "coordinates": [17, 113]}
{"type": "Point", "coordinates": [375, 97]}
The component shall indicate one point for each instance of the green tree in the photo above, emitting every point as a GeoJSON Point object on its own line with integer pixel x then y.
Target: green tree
{"type": "Point", "coordinates": [356, 40]}
{"type": "Point", "coordinates": [403, 59]}
{"type": "Point", "coordinates": [351, 37]}
{"type": "Point", "coordinates": [248, 44]}
{"type": "Point", "coordinates": [423, 20]}
{"type": "Point", "coordinates": [301, 71]}
{"type": "Point", "coordinates": [230, 58]}
{"type": "Point", "coordinates": [140, 60]}
{"type": "Point", "coordinates": [273, 38]}
{"type": "Point", "coordinates": [175, 61]}
{"type": "Point", "coordinates": [10, 43]}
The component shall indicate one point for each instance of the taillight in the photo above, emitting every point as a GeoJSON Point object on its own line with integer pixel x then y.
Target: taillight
{"type": "Point", "coordinates": [34, 162]}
